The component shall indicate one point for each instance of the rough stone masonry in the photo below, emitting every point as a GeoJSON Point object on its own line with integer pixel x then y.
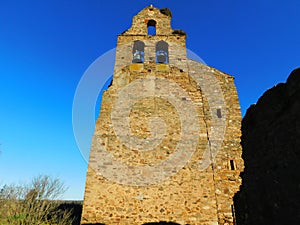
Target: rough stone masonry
{"type": "Point", "coordinates": [166, 145]}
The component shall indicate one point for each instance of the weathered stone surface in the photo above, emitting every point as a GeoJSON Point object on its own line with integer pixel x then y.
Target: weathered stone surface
{"type": "Point", "coordinates": [166, 145]}
{"type": "Point", "coordinates": [270, 191]}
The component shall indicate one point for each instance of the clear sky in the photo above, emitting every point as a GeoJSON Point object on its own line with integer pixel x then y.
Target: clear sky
{"type": "Point", "coordinates": [46, 46]}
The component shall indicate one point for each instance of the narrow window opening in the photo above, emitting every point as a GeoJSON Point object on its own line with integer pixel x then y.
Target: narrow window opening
{"type": "Point", "coordinates": [138, 52]}
{"type": "Point", "coordinates": [232, 166]}
{"type": "Point", "coordinates": [162, 52]}
{"type": "Point", "coordinates": [151, 27]}
{"type": "Point", "coordinates": [219, 113]}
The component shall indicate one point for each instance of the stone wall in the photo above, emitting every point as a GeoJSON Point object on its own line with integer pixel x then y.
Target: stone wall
{"type": "Point", "coordinates": [166, 145]}
{"type": "Point", "coordinates": [270, 191]}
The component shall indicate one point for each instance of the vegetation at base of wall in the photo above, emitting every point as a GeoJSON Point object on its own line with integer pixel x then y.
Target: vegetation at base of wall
{"type": "Point", "coordinates": [34, 203]}
{"type": "Point", "coordinates": [75, 207]}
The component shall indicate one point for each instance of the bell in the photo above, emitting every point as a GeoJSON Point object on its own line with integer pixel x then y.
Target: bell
{"type": "Point", "coordinates": [137, 58]}
{"type": "Point", "coordinates": [161, 57]}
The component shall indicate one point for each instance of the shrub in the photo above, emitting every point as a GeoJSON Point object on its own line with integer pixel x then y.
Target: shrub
{"type": "Point", "coordinates": [36, 203]}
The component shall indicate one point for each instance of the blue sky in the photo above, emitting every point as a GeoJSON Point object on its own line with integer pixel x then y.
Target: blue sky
{"type": "Point", "coordinates": [46, 46]}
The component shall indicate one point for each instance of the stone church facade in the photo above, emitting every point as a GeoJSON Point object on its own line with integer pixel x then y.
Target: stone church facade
{"type": "Point", "coordinates": [166, 145]}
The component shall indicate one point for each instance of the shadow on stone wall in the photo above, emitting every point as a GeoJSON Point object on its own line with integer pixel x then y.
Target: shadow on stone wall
{"type": "Point", "coordinates": [270, 191]}
{"type": "Point", "coordinates": [162, 223]}
{"type": "Point", "coordinates": [94, 224]}
{"type": "Point", "coordinates": [156, 223]}
{"type": "Point", "coordinates": [75, 206]}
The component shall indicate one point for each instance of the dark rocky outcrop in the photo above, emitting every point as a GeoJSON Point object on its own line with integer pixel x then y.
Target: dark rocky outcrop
{"type": "Point", "coordinates": [270, 192]}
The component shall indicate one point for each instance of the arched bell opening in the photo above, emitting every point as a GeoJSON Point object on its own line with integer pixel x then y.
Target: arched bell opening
{"type": "Point", "coordinates": [151, 26]}
{"type": "Point", "coordinates": [138, 52]}
{"type": "Point", "coordinates": [162, 52]}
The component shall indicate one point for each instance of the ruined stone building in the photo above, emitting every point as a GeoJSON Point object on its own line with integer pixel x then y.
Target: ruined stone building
{"type": "Point", "coordinates": [166, 145]}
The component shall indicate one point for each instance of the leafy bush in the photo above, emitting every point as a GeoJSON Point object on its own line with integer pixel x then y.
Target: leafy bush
{"type": "Point", "coordinates": [36, 203]}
